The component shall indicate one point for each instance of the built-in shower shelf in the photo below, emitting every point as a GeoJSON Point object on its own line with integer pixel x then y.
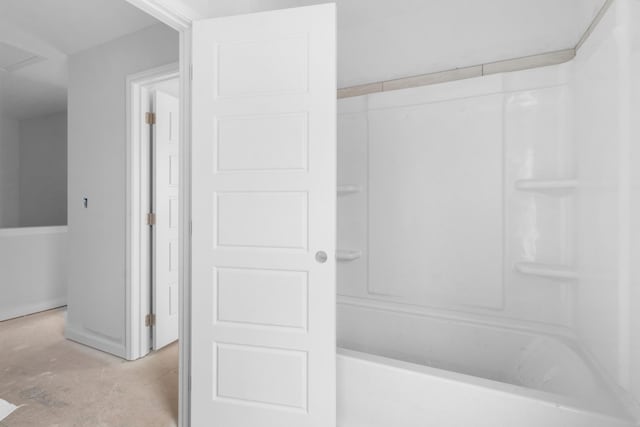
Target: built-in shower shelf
{"type": "Point", "coordinates": [347, 255]}
{"type": "Point", "coordinates": [343, 190]}
{"type": "Point", "coordinates": [547, 185]}
{"type": "Point", "coordinates": [546, 270]}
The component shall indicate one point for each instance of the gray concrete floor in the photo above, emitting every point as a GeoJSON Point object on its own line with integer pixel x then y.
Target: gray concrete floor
{"type": "Point", "coordinates": [64, 384]}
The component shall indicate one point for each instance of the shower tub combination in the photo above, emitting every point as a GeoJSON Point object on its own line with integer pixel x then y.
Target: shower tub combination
{"type": "Point", "coordinates": [478, 276]}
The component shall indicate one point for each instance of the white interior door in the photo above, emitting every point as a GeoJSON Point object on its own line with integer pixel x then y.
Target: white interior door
{"type": "Point", "coordinates": [165, 152]}
{"type": "Point", "coordinates": [264, 207]}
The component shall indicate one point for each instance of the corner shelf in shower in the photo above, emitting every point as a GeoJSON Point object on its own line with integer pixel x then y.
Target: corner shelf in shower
{"type": "Point", "coordinates": [347, 255]}
{"type": "Point", "coordinates": [343, 190]}
{"type": "Point", "coordinates": [547, 185]}
{"type": "Point", "coordinates": [546, 270]}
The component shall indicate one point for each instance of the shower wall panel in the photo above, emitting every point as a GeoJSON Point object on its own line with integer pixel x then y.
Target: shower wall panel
{"type": "Point", "coordinates": [435, 202]}
{"type": "Point", "coordinates": [434, 195]}
{"type": "Point", "coordinates": [607, 129]}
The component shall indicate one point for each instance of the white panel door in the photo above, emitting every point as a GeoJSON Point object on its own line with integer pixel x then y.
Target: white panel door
{"type": "Point", "coordinates": [165, 231]}
{"type": "Point", "coordinates": [264, 207]}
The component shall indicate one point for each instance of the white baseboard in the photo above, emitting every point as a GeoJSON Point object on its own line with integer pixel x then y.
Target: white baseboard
{"type": "Point", "coordinates": [27, 309]}
{"type": "Point", "coordinates": [90, 339]}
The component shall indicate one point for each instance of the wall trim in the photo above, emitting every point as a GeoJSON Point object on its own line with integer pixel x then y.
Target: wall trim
{"type": "Point", "coordinates": [138, 237]}
{"type": "Point", "coordinates": [504, 66]}
{"type": "Point", "coordinates": [181, 20]}
{"type": "Point", "coordinates": [85, 337]}
{"type": "Point", "coordinates": [529, 62]}
{"type": "Point", "coordinates": [33, 231]}
{"type": "Point", "coordinates": [516, 64]}
{"type": "Point", "coordinates": [176, 15]}
{"type": "Point", "coordinates": [28, 309]}
{"type": "Point", "coordinates": [594, 23]}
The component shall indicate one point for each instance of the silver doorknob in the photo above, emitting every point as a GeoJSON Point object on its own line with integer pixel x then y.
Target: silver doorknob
{"type": "Point", "coordinates": [321, 257]}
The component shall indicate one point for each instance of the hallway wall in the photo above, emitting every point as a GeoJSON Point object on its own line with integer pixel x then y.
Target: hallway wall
{"type": "Point", "coordinates": [43, 171]}
{"type": "Point", "coordinates": [97, 160]}
{"type": "Point", "coordinates": [9, 172]}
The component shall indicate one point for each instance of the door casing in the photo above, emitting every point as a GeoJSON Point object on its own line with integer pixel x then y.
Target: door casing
{"type": "Point", "coordinates": [174, 17]}
{"type": "Point", "coordinates": [138, 233]}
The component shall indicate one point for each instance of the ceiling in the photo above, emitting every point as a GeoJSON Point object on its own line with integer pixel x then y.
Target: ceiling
{"type": "Point", "coordinates": [46, 32]}
{"type": "Point", "coordinates": [387, 39]}
{"type": "Point", "coordinates": [377, 39]}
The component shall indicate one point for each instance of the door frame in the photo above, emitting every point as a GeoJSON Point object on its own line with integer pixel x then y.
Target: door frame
{"type": "Point", "coordinates": [138, 233]}
{"type": "Point", "coordinates": [175, 15]}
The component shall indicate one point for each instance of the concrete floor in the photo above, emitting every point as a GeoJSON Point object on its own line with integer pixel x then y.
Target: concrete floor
{"type": "Point", "coordinates": [64, 384]}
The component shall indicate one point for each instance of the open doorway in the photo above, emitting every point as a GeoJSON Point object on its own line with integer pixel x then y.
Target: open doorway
{"type": "Point", "coordinates": [153, 196]}
{"type": "Point", "coordinates": [66, 366]}
{"type": "Point", "coordinates": [164, 216]}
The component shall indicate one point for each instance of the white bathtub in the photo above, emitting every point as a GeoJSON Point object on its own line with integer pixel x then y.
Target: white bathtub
{"type": "Point", "coordinates": [396, 369]}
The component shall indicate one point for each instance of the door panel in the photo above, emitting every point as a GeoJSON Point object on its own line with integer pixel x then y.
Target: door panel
{"type": "Point", "coordinates": [165, 231]}
{"type": "Point", "coordinates": [264, 201]}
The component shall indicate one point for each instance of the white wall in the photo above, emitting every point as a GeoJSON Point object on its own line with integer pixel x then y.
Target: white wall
{"type": "Point", "coordinates": [9, 172]}
{"type": "Point", "coordinates": [96, 162]}
{"type": "Point", "coordinates": [33, 262]}
{"type": "Point", "coordinates": [43, 171]}
{"type": "Point", "coordinates": [439, 220]}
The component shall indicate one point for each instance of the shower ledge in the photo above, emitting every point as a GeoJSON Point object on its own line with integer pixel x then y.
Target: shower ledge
{"type": "Point", "coordinates": [347, 255]}
{"type": "Point", "coordinates": [546, 270]}
{"type": "Point", "coordinates": [547, 185]}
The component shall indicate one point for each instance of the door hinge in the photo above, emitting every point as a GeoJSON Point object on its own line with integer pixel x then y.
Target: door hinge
{"type": "Point", "coordinates": [190, 71]}
{"type": "Point", "coordinates": [151, 219]}
{"type": "Point", "coordinates": [150, 118]}
{"type": "Point", "coordinates": [150, 320]}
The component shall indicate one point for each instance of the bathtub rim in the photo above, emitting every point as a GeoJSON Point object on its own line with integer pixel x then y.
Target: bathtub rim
{"type": "Point", "coordinates": [557, 400]}
{"type": "Point", "coordinates": [562, 334]}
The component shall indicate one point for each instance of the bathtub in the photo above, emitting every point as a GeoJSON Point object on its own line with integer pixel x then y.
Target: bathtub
{"type": "Point", "coordinates": [396, 369]}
